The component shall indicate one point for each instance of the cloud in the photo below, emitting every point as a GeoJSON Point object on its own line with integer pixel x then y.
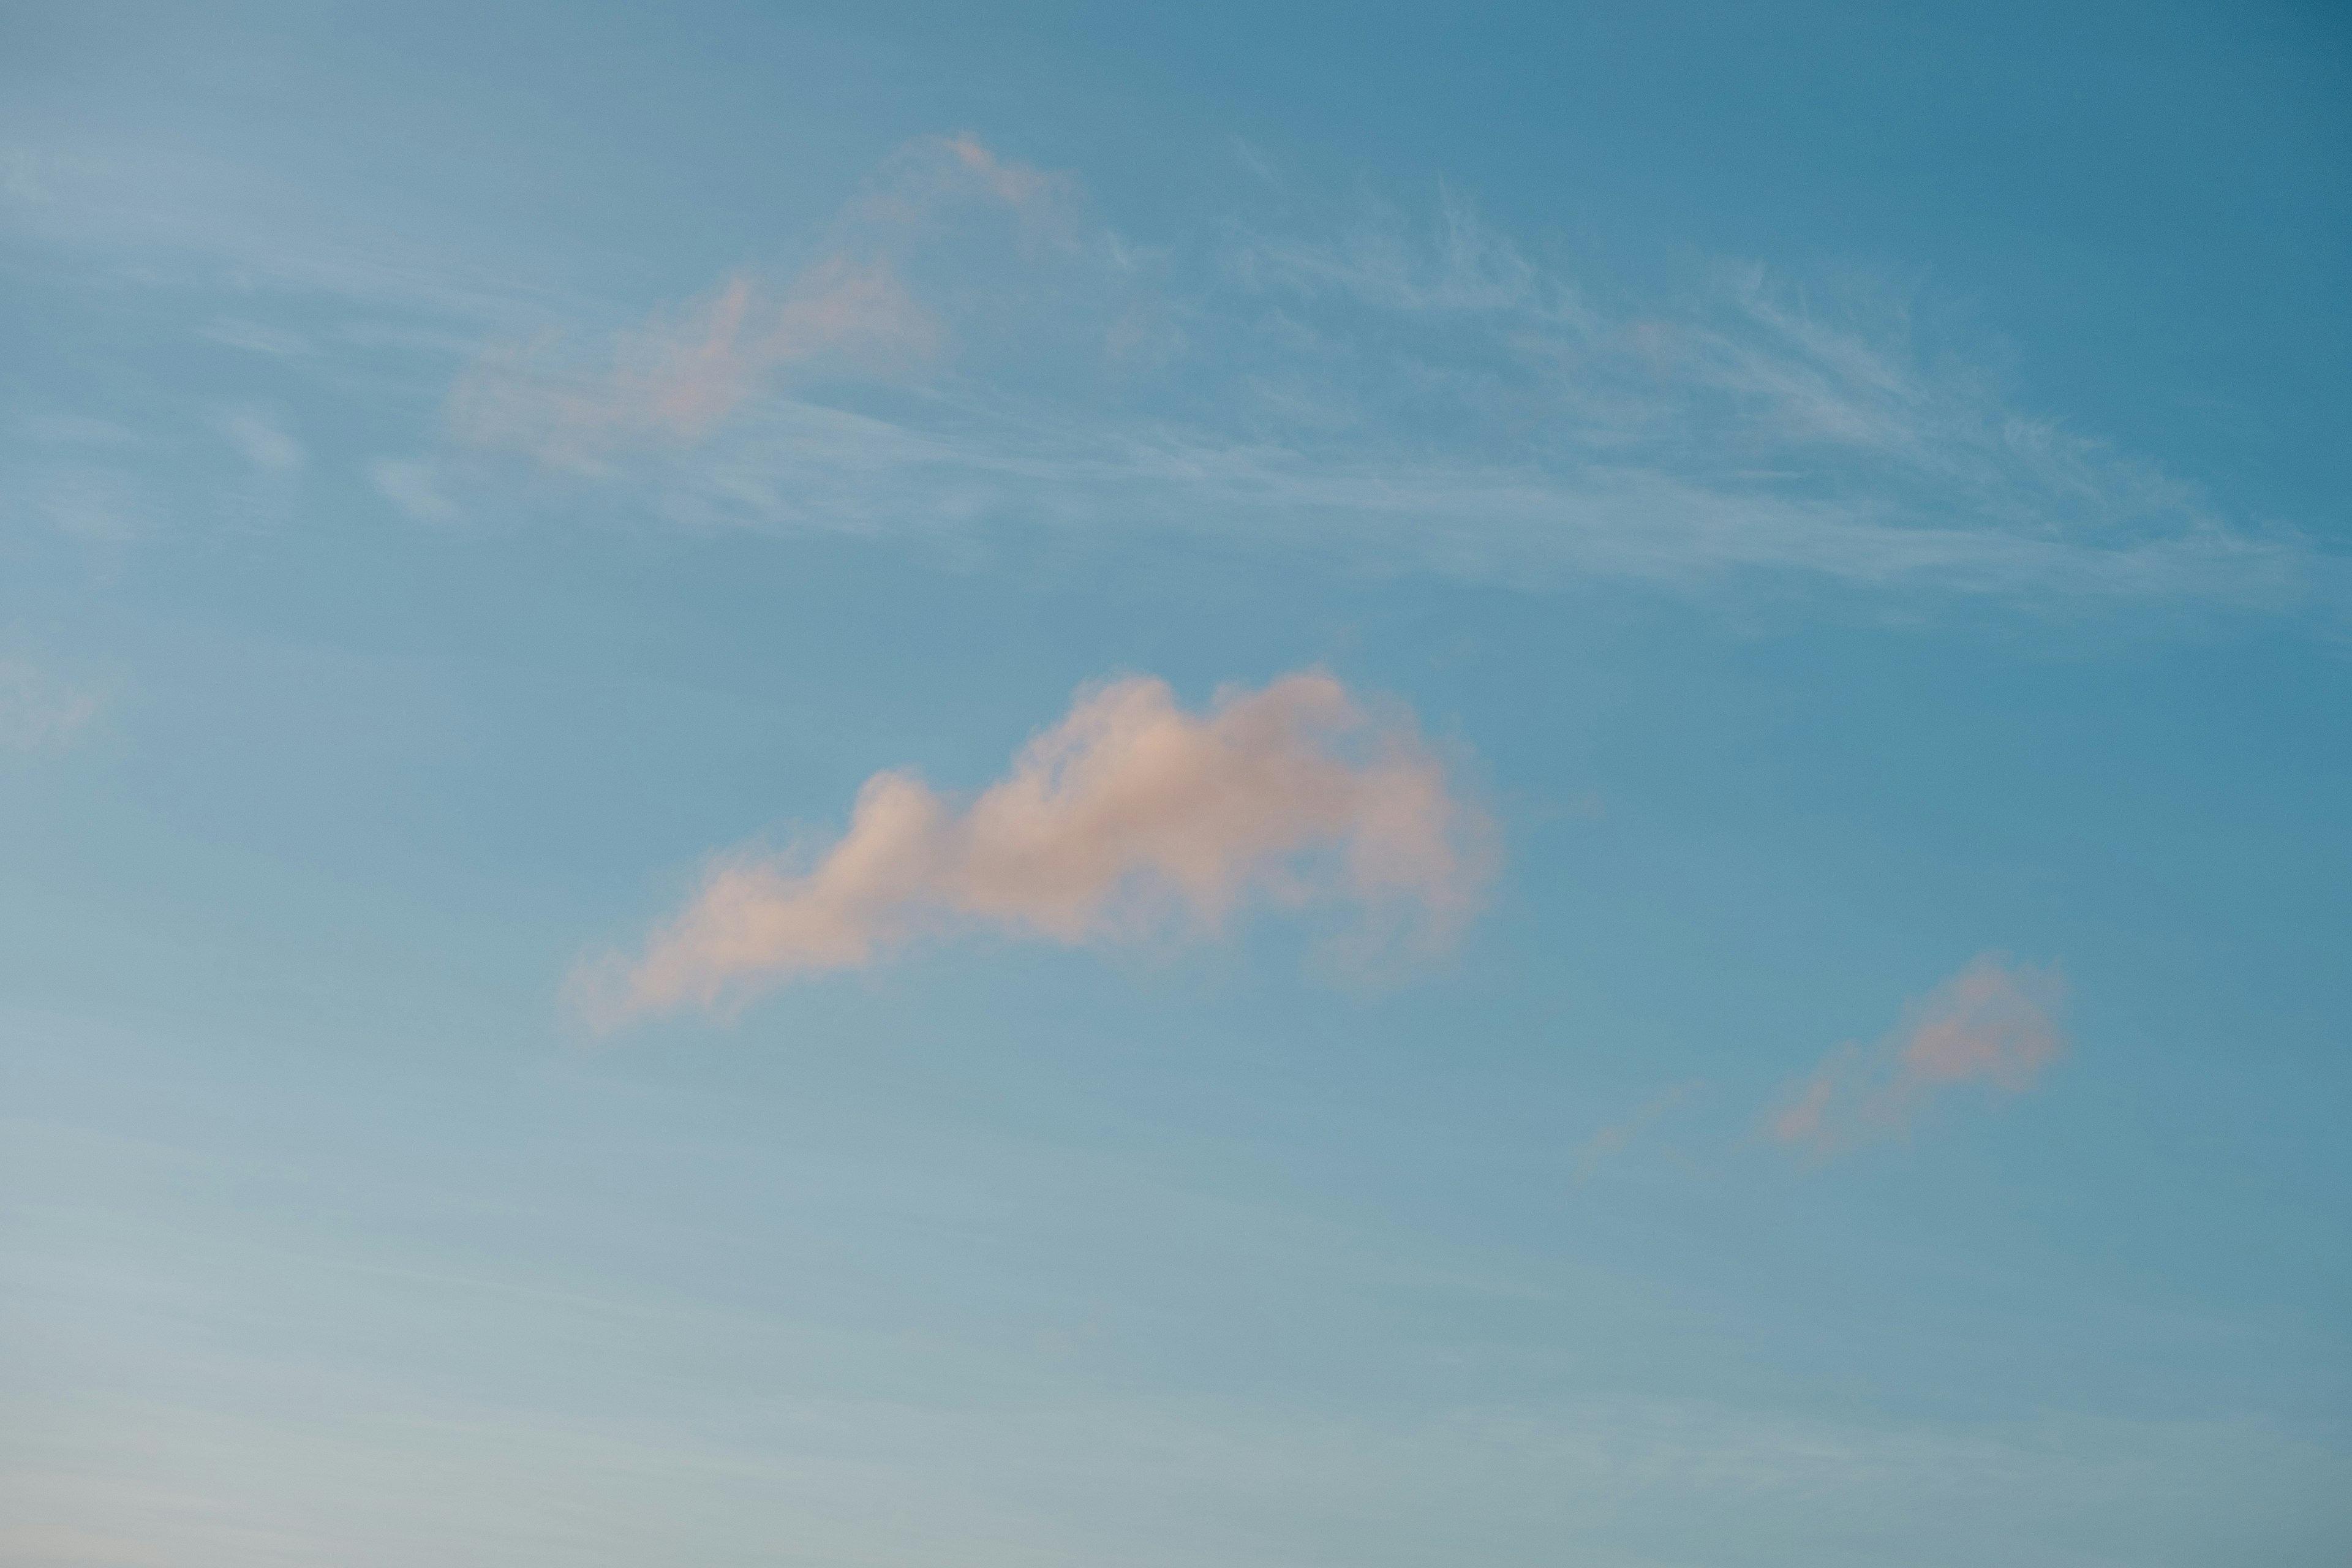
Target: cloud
{"type": "Point", "coordinates": [1031, 192]}
{"type": "Point", "coordinates": [96, 504]}
{"type": "Point", "coordinates": [167, 213]}
{"type": "Point", "coordinates": [1129, 815]}
{"type": "Point", "coordinates": [674, 378]}
{"type": "Point", "coordinates": [1993, 1024]}
{"type": "Point", "coordinates": [1416, 394]}
{"type": "Point", "coordinates": [414, 486]}
{"type": "Point", "coordinates": [262, 442]}
{"type": "Point", "coordinates": [255, 337]}
{"type": "Point", "coordinates": [39, 713]}
{"type": "Point", "coordinates": [963, 339]}
{"type": "Point", "coordinates": [848, 312]}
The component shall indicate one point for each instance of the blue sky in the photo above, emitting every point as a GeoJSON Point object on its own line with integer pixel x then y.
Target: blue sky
{"type": "Point", "coordinates": [850, 785]}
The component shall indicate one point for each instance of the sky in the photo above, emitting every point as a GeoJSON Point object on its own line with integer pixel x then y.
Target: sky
{"type": "Point", "coordinates": [889, 786]}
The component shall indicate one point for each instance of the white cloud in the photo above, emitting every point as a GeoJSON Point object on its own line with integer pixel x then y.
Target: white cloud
{"type": "Point", "coordinates": [848, 311]}
{"type": "Point", "coordinates": [73, 430]}
{"type": "Point", "coordinates": [414, 485]}
{"type": "Point", "coordinates": [961, 341]}
{"type": "Point", "coordinates": [1422, 397]}
{"type": "Point", "coordinates": [262, 442]}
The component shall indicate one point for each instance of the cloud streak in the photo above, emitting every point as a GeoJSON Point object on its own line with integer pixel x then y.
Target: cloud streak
{"type": "Point", "coordinates": [1129, 817]}
{"type": "Point", "coordinates": [963, 343]}
{"type": "Point", "coordinates": [262, 442]}
{"type": "Point", "coordinates": [1415, 395]}
{"type": "Point", "coordinates": [685, 371]}
{"type": "Point", "coordinates": [1992, 1024]}
{"type": "Point", "coordinates": [38, 712]}
{"type": "Point", "coordinates": [848, 312]}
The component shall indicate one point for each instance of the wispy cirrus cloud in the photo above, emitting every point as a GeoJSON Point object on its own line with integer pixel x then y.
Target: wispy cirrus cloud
{"type": "Point", "coordinates": [679, 374]}
{"type": "Point", "coordinates": [262, 441]}
{"type": "Point", "coordinates": [848, 311]}
{"type": "Point", "coordinates": [1128, 814]}
{"type": "Point", "coordinates": [414, 485]}
{"type": "Point", "coordinates": [1421, 395]}
{"type": "Point", "coordinates": [1994, 1024]}
{"type": "Point", "coordinates": [964, 341]}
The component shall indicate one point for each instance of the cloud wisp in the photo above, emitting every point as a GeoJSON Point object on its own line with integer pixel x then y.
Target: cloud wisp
{"type": "Point", "coordinates": [262, 442]}
{"type": "Point", "coordinates": [963, 343]}
{"type": "Point", "coordinates": [848, 312]}
{"type": "Point", "coordinates": [1129, 817]}
{"type": "Point", "coordinates": [1994, 1024]}
{"type": "Point", "coordinates": [677, 376]}
{"type": "Point", "coordinates": [1423, 396]}
{"type": "Point", "coordinates": [38, 712]}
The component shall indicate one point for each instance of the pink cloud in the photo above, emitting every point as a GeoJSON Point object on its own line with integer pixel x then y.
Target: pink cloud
{"type": "Point", "coordinates": [1128, 817]}
{"type": "Point", "coordinates": [1992, 1024]}
{"type": "Point", "coordinates": [927, 183]}
{"type": "Point", "coordinates": [1017, 185]}
{"type": "Point", "coordinates": [689, 367]}
{"type": "Point", "coordinates": [850, 311]}
{"type": "Point", "coordinates": [683, 374]}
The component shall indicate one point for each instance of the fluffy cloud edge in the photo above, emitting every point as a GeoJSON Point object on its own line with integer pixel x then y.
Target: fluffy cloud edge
{"type": "Point", "coordinates": [1129, 817]}
{"type": "Point", "coordinates": [1994, 1024]}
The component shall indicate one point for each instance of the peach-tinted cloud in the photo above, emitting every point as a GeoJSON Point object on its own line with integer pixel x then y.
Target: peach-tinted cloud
{"type": "Point", "coordinates": [1017, 185]}
{"type": "Point", "coordinates": [1129, 817]}
{"type": "Point", "coordinates": [1992, 1024]}
{"type": "Point", "coordinates": [687, 368]}
{"type": "Point", "coordinates": [850, 311]}
{"type": "Point", "coordinates": [927, 184]}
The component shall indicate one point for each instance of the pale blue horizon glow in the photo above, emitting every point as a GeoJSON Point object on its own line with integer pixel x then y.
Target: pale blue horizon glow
{"type": "Point", "coordinates": [1850, 506]}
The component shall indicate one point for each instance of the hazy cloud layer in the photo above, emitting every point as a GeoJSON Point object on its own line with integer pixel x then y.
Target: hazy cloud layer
{"type": "Point", "coordinates": [964, 342]}
{"type": "Point", "coordinates": [675, 377]}
{"type": "Point", "coordinates": [1128, 817]}
{"type": "Point", "coordinates": [413, 485]}
{"type": "Point", "coordinates": [262, 442]}
{"type": "Point", "coordinates": [1993, 1024]}
{"type": "Point", "coordinates": [39, 713]}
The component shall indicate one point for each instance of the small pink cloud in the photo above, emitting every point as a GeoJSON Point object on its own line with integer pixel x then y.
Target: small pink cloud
{"type": "Point", "coordinates": [689, 367]}
{"type": "Point", "coordinates": [681, 375]}
{"type": "Point", "coordinates": [1015, 185]}
{"type": "Point", "coordinates": [848, 312]}
{"type": "Point", "coordinates": [924, 185]}
{"type": "Point", "coordinates": [1992, 1024]}
{"type": "Point", "coordinates": [1128, 815]}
